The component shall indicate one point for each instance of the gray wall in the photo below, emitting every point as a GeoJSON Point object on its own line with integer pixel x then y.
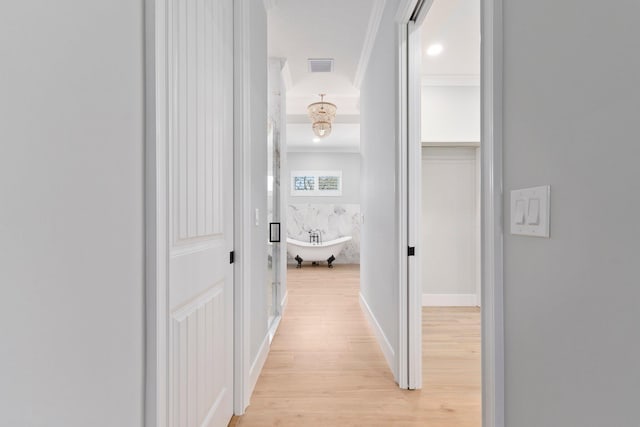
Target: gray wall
{"type": "Point", "coordinates": [71, 213]}
{"type": "Point", "coordinates": [572, 105]}
{"type": "Point", "coordinates": [379, 201]}
{"type": "Point", "coordinates": [348, 163]}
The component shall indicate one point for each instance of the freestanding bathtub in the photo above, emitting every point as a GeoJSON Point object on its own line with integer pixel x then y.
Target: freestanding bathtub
{"type": "Point", "coordinates": [325, 251]}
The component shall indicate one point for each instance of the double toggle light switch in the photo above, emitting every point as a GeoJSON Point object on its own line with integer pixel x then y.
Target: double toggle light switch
{"type": "Point", "coordinates": [530, 211]}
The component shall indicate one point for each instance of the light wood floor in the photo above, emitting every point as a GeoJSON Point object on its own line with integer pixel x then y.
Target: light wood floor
{"type": "Point", "coordinates": [326, 369]}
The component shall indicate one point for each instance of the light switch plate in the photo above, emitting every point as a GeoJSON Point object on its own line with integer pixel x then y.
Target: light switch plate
{"type": "Point", "coordinates": [530, 211]}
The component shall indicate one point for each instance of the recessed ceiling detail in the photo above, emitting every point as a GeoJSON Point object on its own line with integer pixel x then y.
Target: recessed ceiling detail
{"type": "Point", "coordinates": [320, 65]}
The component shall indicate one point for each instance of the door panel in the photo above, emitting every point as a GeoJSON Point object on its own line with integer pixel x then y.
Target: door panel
{"type": "Point", "coordinates": [199, 95]}
{"type": "Point", "coordinates": [449, 219]}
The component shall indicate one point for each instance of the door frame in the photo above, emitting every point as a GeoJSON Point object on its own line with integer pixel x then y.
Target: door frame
{"type": "Point", "coordinates": [410, 348]}
{"type": "Point", "coordinates": [156, 360]}
{"type": "Point", "coordinates": [242, 204]}
{"type": "Point", "coordinates": [156, 400]}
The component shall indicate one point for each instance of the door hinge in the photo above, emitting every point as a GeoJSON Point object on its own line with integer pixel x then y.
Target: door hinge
{"type": "Point", "coordinates": [412, 250]}
{"type": "Point", "coordinates": [232, 257]}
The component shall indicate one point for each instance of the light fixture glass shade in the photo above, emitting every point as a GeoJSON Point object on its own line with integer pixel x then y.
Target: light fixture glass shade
{"type": "Point", "coordinates": [322, 114]}
{"type": "Point", "coordinates": [321, 129]}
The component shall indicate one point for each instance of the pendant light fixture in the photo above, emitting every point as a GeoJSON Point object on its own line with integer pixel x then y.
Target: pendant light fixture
{"type": "Point", "coordinates": [322, 114]}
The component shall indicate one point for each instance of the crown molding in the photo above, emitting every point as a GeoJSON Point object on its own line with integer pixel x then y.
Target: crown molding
{"type": "Point", "coordinates": [451, 80]}
{"type": "Point", "coordinates": [369, 40]}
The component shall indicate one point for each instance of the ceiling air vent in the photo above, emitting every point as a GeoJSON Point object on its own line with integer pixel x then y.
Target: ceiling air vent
{"type": "Point", "coordinates": [320, 65]}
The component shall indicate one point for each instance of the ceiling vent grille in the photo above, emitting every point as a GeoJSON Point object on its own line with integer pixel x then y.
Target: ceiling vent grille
{"type": "Point", "coordinates": [320, 65]}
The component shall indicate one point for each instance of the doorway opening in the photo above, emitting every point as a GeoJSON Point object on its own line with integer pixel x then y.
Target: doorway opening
{"type": "Point", "coordinates": [450, 168]}
{"type": "Point", "coordinates": [449, 189]}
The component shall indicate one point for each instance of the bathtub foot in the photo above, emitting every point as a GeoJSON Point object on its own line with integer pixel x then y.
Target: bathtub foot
{"type": "Point", "coordinates": [330, 261]}
{"type": "Point", "coordinates": [297, 258]}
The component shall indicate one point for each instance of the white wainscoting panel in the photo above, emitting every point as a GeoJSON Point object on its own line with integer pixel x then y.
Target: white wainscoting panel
{"type": "Point", "coordinates": [197, 118]}
{"type": "Point", "coordinates": [197, 342]}
{"type": "Point", "coordinates": [449, 242]}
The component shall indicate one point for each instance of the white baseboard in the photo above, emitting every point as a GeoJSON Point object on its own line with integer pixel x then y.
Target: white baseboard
{"type": "Point", "coordinates": [386, 347]}
{"type": "Point", "coordinates": [283, 304]}
{"type": "Point", "coordinates": [258, 363]}
{"type": "Point", "coordinates": [449, 300]}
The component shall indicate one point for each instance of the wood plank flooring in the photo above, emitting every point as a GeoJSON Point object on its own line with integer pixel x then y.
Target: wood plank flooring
{"type": "Point", "coordinates": [325, 367]}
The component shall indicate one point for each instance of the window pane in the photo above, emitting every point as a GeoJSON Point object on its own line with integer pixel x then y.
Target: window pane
{"type": "Point", "coordinates": [304, 183]}
{"type": "Point", "coordinates": [330, 183]}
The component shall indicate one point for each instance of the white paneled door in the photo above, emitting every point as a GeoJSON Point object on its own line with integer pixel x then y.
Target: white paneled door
{"type": "Point", "coordinates": [200, 179]}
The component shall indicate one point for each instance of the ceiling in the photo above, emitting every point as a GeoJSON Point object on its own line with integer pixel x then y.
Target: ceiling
{"type": "Point", "coordinates": [455, 24]}
{"type": "Point", "coordinates": [341, 29]}
{"type": "Point", "coordinates": [303, 29]}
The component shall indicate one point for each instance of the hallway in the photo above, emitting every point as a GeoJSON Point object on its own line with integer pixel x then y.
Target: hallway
{"type": "Point", "coordinates": [326, 369]}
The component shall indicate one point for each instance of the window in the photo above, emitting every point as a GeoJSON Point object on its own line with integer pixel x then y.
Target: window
{"type": "Point", "coordinates": [304, 183]}
{"type": "Point", "coordinates": [316, 183]}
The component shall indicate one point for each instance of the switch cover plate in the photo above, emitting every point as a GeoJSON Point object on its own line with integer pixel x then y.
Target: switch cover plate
{"type": "Point", "coordinates": [530, 211]}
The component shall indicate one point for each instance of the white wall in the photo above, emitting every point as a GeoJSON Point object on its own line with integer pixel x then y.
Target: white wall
{"type": "Point", "coordinates": [71, 215]}
{"type": "Point", "coordinates": [450, 232]}
{"type": "Point", "coordinates": [348, 163]}
{"type": "Point", "coordinates": [379, 198]}
{"type": "Point", "coordinates": [258, 174]}
{"type": "Point", "coordinates": [571, 109]}
{"type": "Point", "coordinates": [450, 113]}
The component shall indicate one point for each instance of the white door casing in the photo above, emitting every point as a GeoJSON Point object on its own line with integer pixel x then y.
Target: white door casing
{"type": "Point", "coordinates": [190, 213]}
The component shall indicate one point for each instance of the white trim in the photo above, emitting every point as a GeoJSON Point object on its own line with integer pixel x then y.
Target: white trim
{"type": "Point", "coordinates": [369, 40]}
{"type": "Point", "coordinates": [478, 225]}
{"type": "Point", "coordinates": [449, 300]}
{"type": "Point", "coordinates": [258, 364]}
{"type": "Point", "coordinates": [405, 10]}
{"type": "Point", "coordinates": [422, 15]}
{"type": "Point", "coordinates": [275, 324]}
{"type": "Point", "coordinates": [242, 204]}
{"type": "Point", "coordinates": [402, 367]}
{"type": "Point", "coordinates": [452, 144]}
{"type": "Point", "coordinates": [451, 80]}
{"type": "Point", "coordinates": [492, 232]}
{"type": "Point", "coordinates": [283, 303]}
{"type": "Point", "coordinates": [383, 342]}
{"type": "Point", "coordinates": [287, 78]}
{"type": "Point", "coordinates": [156, 218]}
{"type": "Point", "coordinates": [413, 173]}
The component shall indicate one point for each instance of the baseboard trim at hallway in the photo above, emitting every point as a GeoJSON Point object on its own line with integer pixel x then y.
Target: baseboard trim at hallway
{"type": "Point", "coordinates": [284, 302]}
{"type": "Point", "coordinates": [383, 342]}
{"type": "Point", "coordinates": [449, 300]}
{"type": "Point", "coordinates": [258, 364]}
